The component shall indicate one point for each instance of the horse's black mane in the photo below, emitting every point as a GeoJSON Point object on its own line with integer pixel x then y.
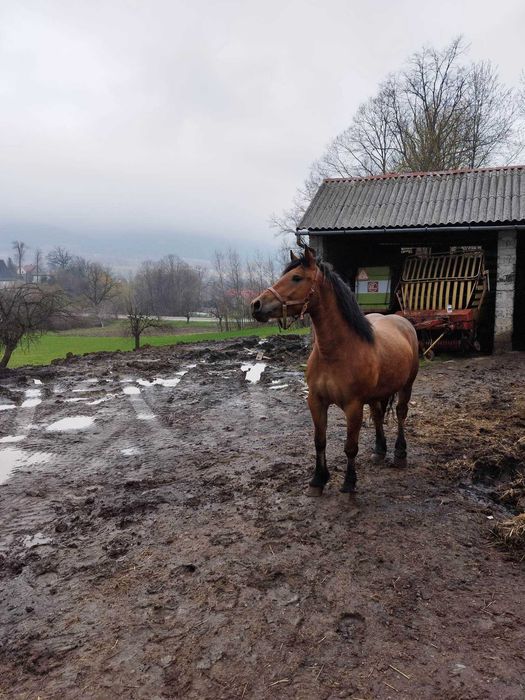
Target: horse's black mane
{"type": "Point", "coordinates": [346, 300]}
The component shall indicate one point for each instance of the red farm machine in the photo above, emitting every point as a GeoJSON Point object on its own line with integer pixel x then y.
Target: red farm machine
{"type": "Point", "coordinates": [442, 295]}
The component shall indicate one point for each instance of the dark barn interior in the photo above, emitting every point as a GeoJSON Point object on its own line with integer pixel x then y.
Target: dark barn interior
{"type": "Point", "coordinates": [350, 253]}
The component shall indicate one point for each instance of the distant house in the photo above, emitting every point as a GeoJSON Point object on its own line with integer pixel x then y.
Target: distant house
{"type": "Point", "coordinates": [367, 226]}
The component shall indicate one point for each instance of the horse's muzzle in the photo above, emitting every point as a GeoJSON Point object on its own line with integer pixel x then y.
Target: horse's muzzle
{"type": "Point", "coordinates": [257, 311]}
{"type": "Point", "coordinates": [262, 310]}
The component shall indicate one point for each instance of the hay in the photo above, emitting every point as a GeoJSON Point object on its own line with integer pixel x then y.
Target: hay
{"type": "Point", "coordinates": [513, 495]}
{"type": "Point", "coordinates": [511, 534]}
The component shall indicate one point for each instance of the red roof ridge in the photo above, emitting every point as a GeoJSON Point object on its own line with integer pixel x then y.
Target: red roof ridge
{"type": "Point", "coordinates": [391, 176]}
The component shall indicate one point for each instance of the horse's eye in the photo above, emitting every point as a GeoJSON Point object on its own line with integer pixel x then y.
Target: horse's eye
{"type": "Point", "coordinates": [297, 278]}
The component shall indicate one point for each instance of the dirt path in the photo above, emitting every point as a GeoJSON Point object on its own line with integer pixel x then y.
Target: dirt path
{"type": "Point", "coordinates": [166, 548]}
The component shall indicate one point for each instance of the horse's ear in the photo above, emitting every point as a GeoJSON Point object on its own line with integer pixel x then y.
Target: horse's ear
{"type": "Point", "coordinates": [293, 256]}
{"type": "Point", "coordinates": [309, 255]}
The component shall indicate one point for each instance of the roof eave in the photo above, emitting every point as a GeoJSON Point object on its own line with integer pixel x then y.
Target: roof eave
{"type": "Point", "coordinates": [518, 226]}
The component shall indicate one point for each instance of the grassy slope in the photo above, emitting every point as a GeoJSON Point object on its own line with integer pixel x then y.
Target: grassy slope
{"type": "Point", "coordinates": [54, 345]}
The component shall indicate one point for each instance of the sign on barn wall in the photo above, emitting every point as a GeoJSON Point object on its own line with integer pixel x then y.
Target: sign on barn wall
{"type": "Point", "coordinates": [372, 288]}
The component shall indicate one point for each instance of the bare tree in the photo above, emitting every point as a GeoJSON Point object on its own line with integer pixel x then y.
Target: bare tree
{"type": "Point", "coordinates": [26, 311]}
{"type": "Point", "coordinates": [169, 286]}
{"type": "Point", "coordinates": [220, 301]}
{"type": "Point", "coordinates": [192, 284]}
{"type": "Point", "coordinates": [72, 278]}
{"type": "Point", "coordinates": [494, 118]}
{"type": "Point", "coordinates": [38, 263]}
{"type": "Point", "coordinates": [235, 287]}
{"type": "Point", "coordinates": [439, 112]}
{"type": "Point", "coordinates": [99, 286]}
{"type": "Point", "coordinates": [20, 249]}
{"type": "Point", "coordinates": [59, 259]}
{"type": "Point", "coordinates": [139, 318]}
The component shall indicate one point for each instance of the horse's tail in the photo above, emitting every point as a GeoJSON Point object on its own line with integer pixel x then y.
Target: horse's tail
{"type": "Point", "coordinates": [389, 411]}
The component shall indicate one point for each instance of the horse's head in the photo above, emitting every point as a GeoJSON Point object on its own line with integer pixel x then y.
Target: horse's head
{"type": "Point", "coordinates": [290, 295]}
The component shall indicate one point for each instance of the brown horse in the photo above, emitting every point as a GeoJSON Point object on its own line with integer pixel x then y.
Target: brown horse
{"type": "Point", "coordinates": [356, 359]}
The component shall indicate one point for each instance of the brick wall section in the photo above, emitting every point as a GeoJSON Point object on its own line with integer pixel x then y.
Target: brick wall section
{"type": "Point", "coordinates": [505, 284]}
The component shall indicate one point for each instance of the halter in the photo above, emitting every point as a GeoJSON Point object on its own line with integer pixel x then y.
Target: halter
{"type": "Point", "coordinates": [285, 304]}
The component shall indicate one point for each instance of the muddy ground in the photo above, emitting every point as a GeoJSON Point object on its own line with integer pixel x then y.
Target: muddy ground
{"type": "Point", "coordinates": [167, 547]}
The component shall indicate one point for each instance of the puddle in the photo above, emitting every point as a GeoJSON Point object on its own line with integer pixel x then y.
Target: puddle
{"type": "Point", "coordinates": [253, 372]}
{"type": "Point", "coordinates": [33, 393]}
{"type": "Point", "coordinates": [32, 398]}
{"type": "Point", "coordinates": [78, 398]}
{"type": "Point", "coordinates": [104, 398]}
{"type": "Point", "coordinates": [36, 540]}
{"type": "Point", "coordinates": [30, 403]}
{"type": "Point", "coordinates": [145, 416]}
{"type": "Point", "coordinates": [279, 386]}
{"type": "Point", "coordinates": [38, 382]}
{"type": "Point", "coordinates": [12, 458]}
{"type": "Point", "coordinates": [162, 382]}
{"type": "Point", "coordinates": [74, 423]}
{"type": "Point", "coordinates": [131, 451]}
{"type": "Point", "coordinates": [7, 406]}
{"type": "Point", "coordinates": [131, 390]}
{"type": "Point", "coordinates": [13, 438]}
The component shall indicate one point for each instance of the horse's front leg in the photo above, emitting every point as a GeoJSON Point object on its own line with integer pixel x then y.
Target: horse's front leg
{"type": "Point", "coordinates": [319, 411]}
{"type": "Point", "coordinates": [354, 419]}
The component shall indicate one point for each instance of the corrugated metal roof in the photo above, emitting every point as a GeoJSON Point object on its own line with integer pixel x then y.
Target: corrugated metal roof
{"type": "Point", "coordinates": [402, 200]}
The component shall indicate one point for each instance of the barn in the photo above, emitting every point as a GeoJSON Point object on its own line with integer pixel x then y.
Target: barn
{"type": "Point", "coordinates": [368, 226]}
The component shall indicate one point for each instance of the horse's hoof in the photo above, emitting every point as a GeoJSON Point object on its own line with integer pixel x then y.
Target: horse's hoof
{"type": "Point", "coordinates": [315, 491]}
{"type": "Point", "coordinates": [378, 458]}
{"type": "Point", "coordinates": [400, 462]}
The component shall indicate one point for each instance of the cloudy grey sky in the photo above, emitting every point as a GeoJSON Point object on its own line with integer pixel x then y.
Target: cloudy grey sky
{"type": "Point", "coordinates": [134, 128]}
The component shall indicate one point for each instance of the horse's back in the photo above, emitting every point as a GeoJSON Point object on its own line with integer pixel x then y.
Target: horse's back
{"type": "Point", "coordinates": [396, 342]}
{"type": "Point", "coordinates": [394, 322]}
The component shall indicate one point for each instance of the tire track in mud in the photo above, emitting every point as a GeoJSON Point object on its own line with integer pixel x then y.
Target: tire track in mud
{"type": "Point", "coordinates": [134, 434]}
{"type": "Point", "coordinates": [29, 509]}
{"type": "Point", "coordinates": [24, 416]}
{"type": "Point", "coordinates": [89, 454]}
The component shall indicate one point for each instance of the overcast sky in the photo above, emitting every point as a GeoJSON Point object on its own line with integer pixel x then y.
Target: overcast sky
{"type": "Point", "coordinates": [131, 129]}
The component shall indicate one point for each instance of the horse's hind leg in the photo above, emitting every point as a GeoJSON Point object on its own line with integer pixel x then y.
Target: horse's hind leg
{"type": "Point", "coordinates": [400, 448]}
{"type": "Point", "coordinates": [354, 419]}
{"type": "Point", "coordinates": [378, 410]}
{"type": "Point", "coordinates": [319, 411]}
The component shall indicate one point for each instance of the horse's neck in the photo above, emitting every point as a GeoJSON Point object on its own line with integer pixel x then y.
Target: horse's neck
{"type": "Point", "coordinates": [333, 335]}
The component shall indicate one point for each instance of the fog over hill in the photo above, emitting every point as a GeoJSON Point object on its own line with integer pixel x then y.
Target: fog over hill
{"type": "Point", "coordinates": [124, 250]}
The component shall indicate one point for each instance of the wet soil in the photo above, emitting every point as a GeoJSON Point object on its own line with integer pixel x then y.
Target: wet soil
{"type": "Point", "coordinates": [167, 548]}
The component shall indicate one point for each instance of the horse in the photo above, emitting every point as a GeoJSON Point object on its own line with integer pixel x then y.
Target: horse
{"type": "Point", "coordinates": [355, 359]}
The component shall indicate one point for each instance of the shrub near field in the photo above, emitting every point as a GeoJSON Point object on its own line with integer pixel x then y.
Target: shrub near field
{"type": "Point", "coordinates": [54, 345]}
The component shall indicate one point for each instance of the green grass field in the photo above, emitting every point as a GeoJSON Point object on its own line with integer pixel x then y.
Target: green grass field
{"type": "Point", "coordinates": [119, 329]}
{"type": "Point", "coordinates": [55, 345]}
